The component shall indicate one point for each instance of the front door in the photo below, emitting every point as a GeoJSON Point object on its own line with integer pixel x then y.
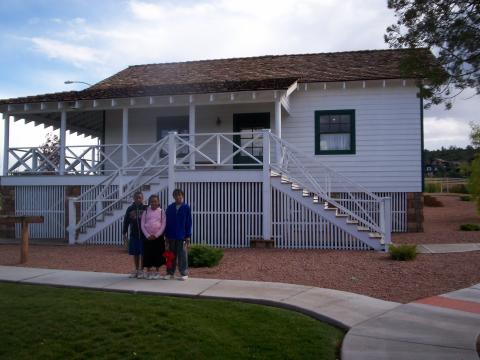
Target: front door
{"type": "Point", "coordinates": [246, 124]}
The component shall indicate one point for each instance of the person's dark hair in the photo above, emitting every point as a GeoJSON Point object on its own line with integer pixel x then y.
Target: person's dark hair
{"type": "Point", "coordinates": [178, 191]}
{"type": "Point", "coordinates": [137, 193]}
{"type": "Point", "coordinates": [151, 197]}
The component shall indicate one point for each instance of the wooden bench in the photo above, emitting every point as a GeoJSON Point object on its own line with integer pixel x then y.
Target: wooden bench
{"type": "Point", "coordinates": [262, 243]}
{"type": "Point", "coordinates": [24, 220]}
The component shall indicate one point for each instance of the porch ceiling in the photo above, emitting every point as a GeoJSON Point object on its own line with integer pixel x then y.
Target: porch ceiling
{"type": "Point", "coordinates": [86, 123]}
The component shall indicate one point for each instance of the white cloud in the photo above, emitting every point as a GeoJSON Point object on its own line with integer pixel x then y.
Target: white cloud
{"type": "Point", "coordinates": [163, 31]}
{"type": "Point", "coordinates": [76, 55]}
{"type": "Point", "coordinates": [175, 31]}
{"type": "Point", "coordinates": [445, 132]}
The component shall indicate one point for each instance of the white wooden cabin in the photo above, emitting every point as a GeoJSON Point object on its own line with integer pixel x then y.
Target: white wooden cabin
{"type": "Point", "coordinates": [312, 151]}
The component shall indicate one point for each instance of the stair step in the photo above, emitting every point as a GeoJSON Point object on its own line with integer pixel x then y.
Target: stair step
{"type": "Point", "coordinates": [274, 174]}
{"type": "Point", "coordinates": [375, 235]}
{"type": "Point", "coordinates": [330, 208]}
{"type": "Point", "coordinates": [341, 215]}
{"type": "Point", "coordinates": [362, 228]}
{"type": "Point", "coordinates": [352, 221]}
{"type": "Point", "coordinates": [306, 193]}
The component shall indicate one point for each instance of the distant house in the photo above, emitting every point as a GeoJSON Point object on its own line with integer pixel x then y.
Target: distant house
{"type": "Point", "coordinates": [312, 151]}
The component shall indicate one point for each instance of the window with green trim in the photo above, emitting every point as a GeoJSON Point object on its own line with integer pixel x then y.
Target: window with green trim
{"type": "Point", "coordinates": [335, 132]}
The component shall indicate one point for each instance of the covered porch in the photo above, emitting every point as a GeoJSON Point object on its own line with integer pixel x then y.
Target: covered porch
{"type": "Point", "coordinates": [126, 127]}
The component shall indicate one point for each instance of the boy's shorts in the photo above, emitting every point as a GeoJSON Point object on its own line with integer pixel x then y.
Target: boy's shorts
{"type": "Point", "coordinates": [135, 246]}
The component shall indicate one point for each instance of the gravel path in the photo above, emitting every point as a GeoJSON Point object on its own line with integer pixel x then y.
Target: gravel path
{"type": "Point", "coordinates": [442, 224]}
{"type": "Point", "coordinates": [368, 273]}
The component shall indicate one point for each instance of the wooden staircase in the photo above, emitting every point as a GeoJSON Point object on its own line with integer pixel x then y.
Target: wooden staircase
{"type": "Point", "coordinates": [328, 211]}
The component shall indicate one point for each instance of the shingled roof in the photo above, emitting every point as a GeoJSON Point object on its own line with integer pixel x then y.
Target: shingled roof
{"type": "Point", "coordinates": [238, 74]}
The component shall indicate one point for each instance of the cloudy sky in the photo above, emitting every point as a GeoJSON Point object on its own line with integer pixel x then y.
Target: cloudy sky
{"type": "Point", "coordinates": [45, 42]}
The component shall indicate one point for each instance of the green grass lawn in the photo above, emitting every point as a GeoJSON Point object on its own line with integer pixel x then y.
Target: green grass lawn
{"type": "Point", "coordinates": [50, 323]}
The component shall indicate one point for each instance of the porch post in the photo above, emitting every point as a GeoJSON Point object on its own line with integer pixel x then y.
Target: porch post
{"type": "Point", "coordinates": [278, 126]}
{"type": "Point", "coordinates": [172, 159]}
{"type": "Point", "coordinates": [6, 142]}
{"type": "Point", "coordinates": [125, 137]}
{"type": "Point", "coordinates": [266, 190]}
{"type": "Point", "coordinates": [63, 133]}
{"type": "Point", "coordinates": [191, 130]}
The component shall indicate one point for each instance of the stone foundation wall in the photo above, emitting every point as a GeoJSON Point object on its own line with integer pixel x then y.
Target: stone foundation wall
{"type": "Point", "coordinates": [7, 194]}
{"type": "Point", "coordinates": [415, 212]}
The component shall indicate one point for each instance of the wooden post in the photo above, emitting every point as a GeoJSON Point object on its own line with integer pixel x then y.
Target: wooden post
{"type": "Point", "coordinates": [172, 159]}
{"type": "Point", "coordinates": [63, 133]}
{"type": "Point", "coordinates": [24, 247]}
{"type": "Point", "coordinates": [24, 221]}
{"type": "Point", "coordinates": [386, 220]}
{"type": "Point", "coordinates": [72, 220]}
{"type": "Point", "coordinates": [278, 126]}
{"type": "Point", "coordinates": [6, 142]}
{"type": "Point", "coordinates": [191, 130]}
{"type": "Point", "coordinates": [266, 190]}
{"type": "Point", "coordinates": [125, 137]}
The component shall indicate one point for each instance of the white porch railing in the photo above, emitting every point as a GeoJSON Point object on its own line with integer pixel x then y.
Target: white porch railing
{"type": "Point", "coordinates": [79, 159]}
{"type": "Point", "coordinates": [161, 160]}
{"type": "Point", "coordinates": [261, 150]}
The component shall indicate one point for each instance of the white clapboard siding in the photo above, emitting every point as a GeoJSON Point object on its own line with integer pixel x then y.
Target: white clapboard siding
{"type": "Point", "coordinates": [387, 134]}
{"type": "Point", "coordinates": [296, 227]}
{"type": "Point", "coordinates": [46, 201]}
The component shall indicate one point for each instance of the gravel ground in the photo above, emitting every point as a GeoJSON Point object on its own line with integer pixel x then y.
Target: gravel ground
{"type": "Point", "coordinates": [442, 224]}
{"type": "Point", "coordinates": [368, 273]}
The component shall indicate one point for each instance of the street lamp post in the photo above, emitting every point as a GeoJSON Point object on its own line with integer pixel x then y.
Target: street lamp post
{"type": "Point", "coordinates": [76, 82]}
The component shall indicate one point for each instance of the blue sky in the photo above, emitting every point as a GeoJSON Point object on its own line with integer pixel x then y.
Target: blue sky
{"type": "Point", "coordinates": [45, 42]}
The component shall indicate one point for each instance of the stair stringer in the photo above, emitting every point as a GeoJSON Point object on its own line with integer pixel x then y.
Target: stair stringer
{"type": "Point", "coordinates": [327, 215]}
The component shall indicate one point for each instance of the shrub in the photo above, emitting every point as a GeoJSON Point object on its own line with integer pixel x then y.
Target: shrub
{"type": "Point", "coordinates": [458, 189]}
{"type": "Point", "coordinates": [470, 227]}
{"type": "Point", "coordinates": [465, 198]}
{"type": "Point", "coordinates": [403, 252]}
{"type": "Point", "coordinates": [432, 187]}
{"type": "Point", "coordinates": [431, 201]}
{"type": "Point", "coordinates": [203, 255]}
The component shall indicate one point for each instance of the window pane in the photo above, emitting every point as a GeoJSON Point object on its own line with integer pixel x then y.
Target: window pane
{"type": "Point", "coordinates": [257, 151]}
{"type": "Point", "coordinates": [329, 142]}
{"type": "Point", "coordinates": [246, 133]}
{"type": "Point", "coordinates": [244, 141]}
{"type": "Point", "coordinates": [324, 119]}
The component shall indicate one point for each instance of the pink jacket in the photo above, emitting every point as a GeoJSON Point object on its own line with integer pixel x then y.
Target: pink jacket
{"type": "Point", "coordinates": [153, 222]}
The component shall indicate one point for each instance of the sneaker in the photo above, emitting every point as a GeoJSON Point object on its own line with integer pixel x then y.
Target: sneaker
{"type": "Point", "coordinates": [155, 276]}
{"type": "Point", "coordinates": [140, 274]}
{"type": "Point", "coordinates": [133, 274]}
{"type": "Point", "coordinates": [168, 277]}
{"type": "Point", "coordinates": [182, 278]}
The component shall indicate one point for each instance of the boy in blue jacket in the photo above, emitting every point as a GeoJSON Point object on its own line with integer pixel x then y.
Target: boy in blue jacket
{"type": "Point", "coordinates": [178, 233]}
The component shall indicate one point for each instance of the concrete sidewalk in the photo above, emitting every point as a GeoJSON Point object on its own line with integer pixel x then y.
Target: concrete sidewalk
{"type": "Point", "coordinates": [442, 327]}
{"type": "Point", "coordinates": [447, 248]}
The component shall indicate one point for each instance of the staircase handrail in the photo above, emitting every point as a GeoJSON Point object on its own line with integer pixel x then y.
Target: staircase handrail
{"type": "Point", "coordinates": [131, 186]}
{"type": "Point", "coordinates": [127, 166]}
{"type": "Point", "coordinates": [314, 186]}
